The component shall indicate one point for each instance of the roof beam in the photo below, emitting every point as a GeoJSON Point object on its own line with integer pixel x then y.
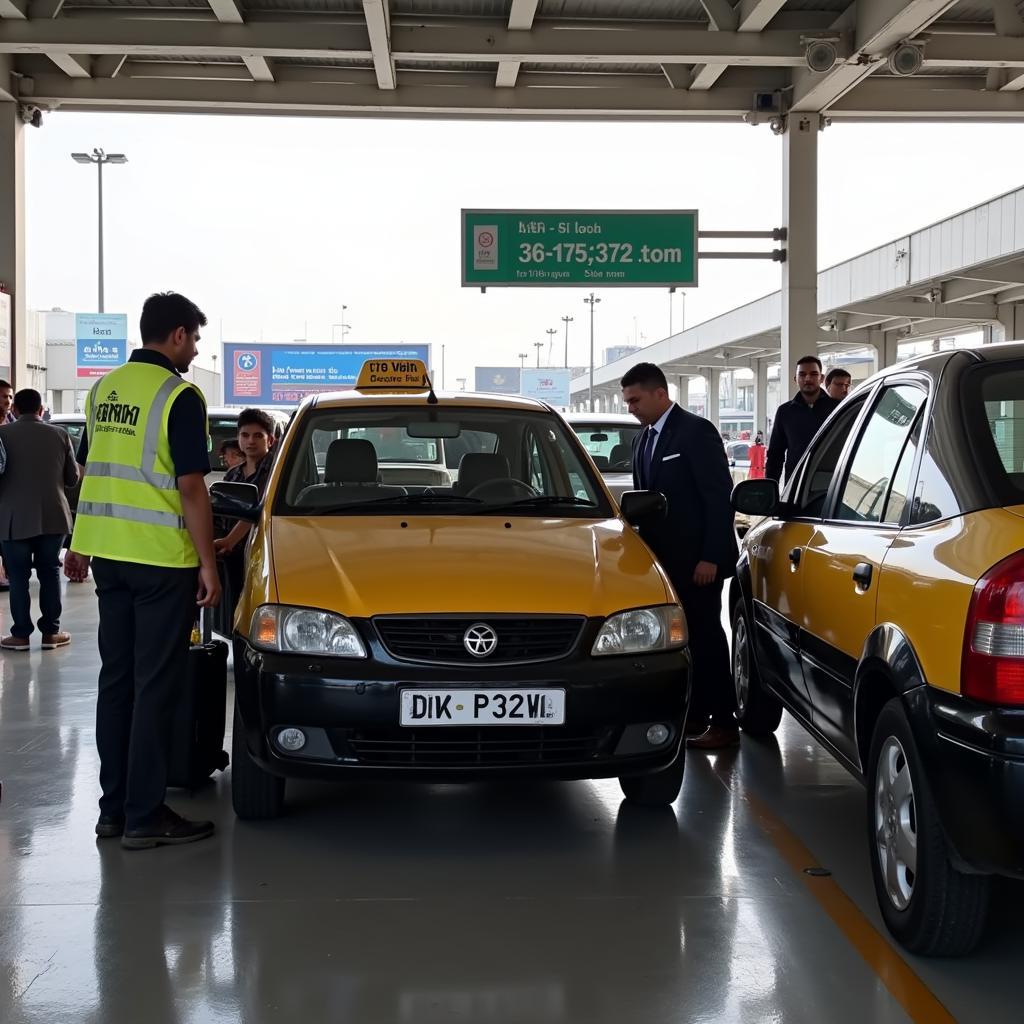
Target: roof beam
{"type": "Point", "coordinates": [109, 66]}
{"type": "Point", "coordinates": [425, 100]}
{"type": "Point", "coordinates": [750, 16]}
{"type": "Point", "coordinates": [520, 19]}
{"type": "Point", "coordinates": [880, 25]}
{"type": "Point", "coordinates": [921, 99]}
{"type": "Point", "coordinates": [74, 65]}
{"type": "Point", "coordinates": [974, 52]}
{"type": "Point", "coordinates": [721, 14]}
{"type": "Point", "coordinates": [45, 8]}
{"type": "Point", "coordinates": [474, 43]}
{"type": "Point", "coordinates": [228, 12]}
{"type": "Point", "coordinates": [378, 24]}
{"type": "Point", "coordinates": [17, 9]}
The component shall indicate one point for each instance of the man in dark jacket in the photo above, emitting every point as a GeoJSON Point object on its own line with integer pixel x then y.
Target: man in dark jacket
{"type": "Point", "coordinates": [797, 422]}
{"type": "Point", "coordinates": [682, 456]}
{"type": "Point", "coordinates": [35, 518]}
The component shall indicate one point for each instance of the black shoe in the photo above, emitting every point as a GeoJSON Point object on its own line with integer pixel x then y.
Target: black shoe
{"type": "Point", "coordinates": [167, 829]}
{"type": "Point", "coordinates": [109, 826]}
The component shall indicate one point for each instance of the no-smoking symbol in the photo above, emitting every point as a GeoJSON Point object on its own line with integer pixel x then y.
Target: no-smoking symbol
{"type": "Point", "coordinates": [486, 239]}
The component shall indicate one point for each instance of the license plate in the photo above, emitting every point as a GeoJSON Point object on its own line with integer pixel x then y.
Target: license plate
{"type": "Point", "coordinates": [483, 707]}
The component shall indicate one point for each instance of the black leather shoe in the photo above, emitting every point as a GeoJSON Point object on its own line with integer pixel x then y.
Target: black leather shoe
{"type": "Point", "coordinates": [167, 829]}
{"type": "Point", "coordinates": [109, 826]}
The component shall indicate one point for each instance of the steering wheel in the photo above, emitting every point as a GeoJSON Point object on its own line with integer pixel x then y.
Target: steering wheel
{"type": "Point", "coordinates": [502, 488]}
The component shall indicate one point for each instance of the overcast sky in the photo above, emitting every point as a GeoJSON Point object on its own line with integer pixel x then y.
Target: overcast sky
{"type": "Point", "coordinates": [271, 224]}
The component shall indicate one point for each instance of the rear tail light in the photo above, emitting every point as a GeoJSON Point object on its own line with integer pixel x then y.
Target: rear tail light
{"type": "Point", "coordinates": [992, 668]}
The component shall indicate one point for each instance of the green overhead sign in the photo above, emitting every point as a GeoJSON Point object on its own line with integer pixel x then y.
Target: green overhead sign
{"type": "Point", "coordinates": [579, 248]}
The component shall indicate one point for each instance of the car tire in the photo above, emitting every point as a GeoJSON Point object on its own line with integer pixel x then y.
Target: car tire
{"type": "Point", "coordinates": [758, 711]}
{"type": "Point", "coordinates": [657, 789]}
{"type": "Point", "coordinates": [930, 907]}
{"type": "Point", "coordinates": [256, 795]}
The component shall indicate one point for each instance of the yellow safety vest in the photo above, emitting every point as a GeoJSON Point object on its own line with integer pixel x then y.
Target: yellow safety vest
{"type": "Point", "coordinates": [130, 507]}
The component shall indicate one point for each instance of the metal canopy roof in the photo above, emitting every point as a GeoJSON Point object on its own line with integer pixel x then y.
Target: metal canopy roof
{"type": "Point", "coordinates": [957, 275]}
{"type": "Point", "coordinates": [624, 59]}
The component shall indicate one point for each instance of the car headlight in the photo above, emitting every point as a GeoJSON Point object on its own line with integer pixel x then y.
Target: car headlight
{"type": "Point", "coordinates": [645, 629]}
{"type": "Point", "coordinates": [305, 631]}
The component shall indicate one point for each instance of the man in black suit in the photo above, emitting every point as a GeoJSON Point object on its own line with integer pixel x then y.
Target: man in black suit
{"type": "Point", "coordinates": [682, 456]}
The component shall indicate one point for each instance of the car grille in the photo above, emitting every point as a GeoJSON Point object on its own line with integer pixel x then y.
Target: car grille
{"type": "Point", "coordinates": [538, 638]}
{"type": "Point", "coordinates": [493, 747]}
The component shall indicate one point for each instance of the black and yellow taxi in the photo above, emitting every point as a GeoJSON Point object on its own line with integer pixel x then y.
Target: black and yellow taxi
{"type": "Point", "coordinates": [508, 623]}
{"type": "Point", "coordinates": [880, 600]}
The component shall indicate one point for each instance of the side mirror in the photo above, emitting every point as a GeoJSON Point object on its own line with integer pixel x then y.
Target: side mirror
{"type": "Point", "coordinates": [637, 506]}
{"type": "Point", "coordinates": [756, 497]}
{"type": "Point", "coordinates": [236, 501]}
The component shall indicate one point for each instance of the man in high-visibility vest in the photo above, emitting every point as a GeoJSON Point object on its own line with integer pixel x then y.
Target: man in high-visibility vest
{"type": "Point", "coordinates": [145, 523]}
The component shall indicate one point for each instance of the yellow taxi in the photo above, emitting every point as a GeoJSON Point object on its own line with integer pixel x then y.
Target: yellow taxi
{"type": "Point", "coordinates": [508, 623]}
{"type": "Point", "coordinates": [881, 601]}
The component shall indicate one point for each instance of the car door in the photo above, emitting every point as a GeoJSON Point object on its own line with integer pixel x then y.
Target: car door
{"type": "Point", "coordinates": [776, 551]}
{"type": "Point", "coordinates": [842, 561]}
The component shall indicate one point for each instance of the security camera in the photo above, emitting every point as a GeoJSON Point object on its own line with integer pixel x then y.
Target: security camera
{"type": "Point", "coordinates": [906, 59]}
{"type": "Point", "coordinates": [31, 115]}
{"type": "Point", "coordinates": [777, 125]}
{"type": "Point", "coordinates": [821, 55]}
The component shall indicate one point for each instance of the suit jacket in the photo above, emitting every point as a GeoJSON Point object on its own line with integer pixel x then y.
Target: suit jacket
{"type": "Point", "coordinates": [690, 468]}
{"type": "Point", "coordinates": [40, 464]}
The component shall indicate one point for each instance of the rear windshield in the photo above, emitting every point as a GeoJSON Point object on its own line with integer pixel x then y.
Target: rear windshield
{"type": "Point", "coordinates": [610, 444]}
{"type": "Point", "coordinates": [998, 390]}
{"type": "Point", "coordinates": [222, 428]}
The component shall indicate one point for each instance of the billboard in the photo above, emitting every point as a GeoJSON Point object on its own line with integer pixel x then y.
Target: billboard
{"type": "Point", "coordinates": [551, 386]}
{"type": "Point", "coordinates": [497, 380]}
{"type": "Point", "coordinates": [277, 374]}
{"type": "Point", "coordinates": [101, 343]}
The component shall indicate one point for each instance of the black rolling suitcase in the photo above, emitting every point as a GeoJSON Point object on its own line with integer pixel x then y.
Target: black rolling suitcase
{"type": "Point", "coordinates": [197, 732]}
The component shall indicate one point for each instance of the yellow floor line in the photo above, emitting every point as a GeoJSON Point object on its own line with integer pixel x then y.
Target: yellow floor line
{"type": "Point", "coordinates": [919, 1002]}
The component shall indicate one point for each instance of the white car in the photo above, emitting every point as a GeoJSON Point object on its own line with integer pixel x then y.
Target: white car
{"type": "Point", "coordinates": [608, 438]}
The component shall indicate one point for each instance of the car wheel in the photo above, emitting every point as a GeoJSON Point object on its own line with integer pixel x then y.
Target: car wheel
{"type": "Point", "coordinates": [255, 794]}
{"type": "Point", "coordinates": [757, 711]}
{"type": "Point", "coordinates": [930, 907]}
{"type": "Point", "coordinates": [657, 789]}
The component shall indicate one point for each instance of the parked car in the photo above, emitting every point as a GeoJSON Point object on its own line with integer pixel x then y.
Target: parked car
{"type": "Point", "coordinates": [223, 426]}
{"type": "Point", "coordinates": [74, 424]}
{"type": "Point", "coordinates": [608, 438]}
{"type": "Point", "coordinates": [512, 624]}
{"type": "Point", "coordinates": [881, 602]}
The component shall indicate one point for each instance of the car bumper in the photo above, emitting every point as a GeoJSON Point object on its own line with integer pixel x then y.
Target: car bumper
{"type": "Point", "coordinates": [349, 711]}
{"type": "Point", "coordinates": [974, 760]}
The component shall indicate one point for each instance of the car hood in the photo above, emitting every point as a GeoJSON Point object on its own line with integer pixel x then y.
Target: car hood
{"type": "Point", "coordinates": [363, 566]}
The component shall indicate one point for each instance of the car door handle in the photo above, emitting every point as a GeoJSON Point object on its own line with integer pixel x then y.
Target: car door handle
{"type": "Point", "coordinates": [794, 555]}
{"type": "Point", "coordinates": [862, 575]}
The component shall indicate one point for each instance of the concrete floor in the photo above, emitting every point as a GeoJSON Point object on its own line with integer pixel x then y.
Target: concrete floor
{"type": "Point", "coordinates": [479, 904]}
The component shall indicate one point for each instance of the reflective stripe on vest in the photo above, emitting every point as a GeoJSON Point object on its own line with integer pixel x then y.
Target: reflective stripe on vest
{"type": "Point", "coordinates": [130, 507]}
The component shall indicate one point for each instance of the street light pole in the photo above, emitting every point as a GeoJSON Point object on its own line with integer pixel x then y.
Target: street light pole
{"type": "Point", "coordinates": [551, 332]}
{"type": "Point", "coordinates": [99, 158]}
{"type": "Point", "coordinates": [538, 345]}
{"type": "Point", "coordinates": [592, 301]}
{"type": "Point", "coordinates": [567, 320]}
{"type": "Point", "coordinates": [522, 360]}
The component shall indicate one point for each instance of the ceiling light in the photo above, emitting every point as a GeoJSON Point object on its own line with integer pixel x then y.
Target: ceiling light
{"type": "Point", "coordinates": [906, 59]}
{"type": "Point", "coordinates": [821, 55]}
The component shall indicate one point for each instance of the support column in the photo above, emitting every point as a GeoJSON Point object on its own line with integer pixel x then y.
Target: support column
{"type": "Point", "coordinates": [800, 218]}
{"type": "Point", "coordinates": [886, 345]}
{"type": "Point", "coordinates": [760, 395]}
{"type": "Point", "coordinates": [712, 404]}
{"type": "Point", "coordinates": [12, 240]}
{"type": "Point", "coordinates": [1008, 320]}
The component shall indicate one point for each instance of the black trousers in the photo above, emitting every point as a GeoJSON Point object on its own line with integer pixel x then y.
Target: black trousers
{"type": "Point", "coordinates": [146, 617]}
{"type": "Point", "coordinates": [713, 697]}
{"type": "Point", "coordinates": [41, 553]}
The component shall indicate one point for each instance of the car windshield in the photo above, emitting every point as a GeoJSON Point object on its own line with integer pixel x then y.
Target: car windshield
{"type": "Point", "coordinates": [514, 462]}
{"type": "Point", "coordinates": [610, 444]}
{"type": "Point", "coordinates": [74, 429]}
{"type": "Point", "coordinates": [222, 428]}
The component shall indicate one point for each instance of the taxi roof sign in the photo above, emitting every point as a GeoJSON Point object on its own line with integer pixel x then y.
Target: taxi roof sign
{"type": "Point", "coordinates": [393, 375]}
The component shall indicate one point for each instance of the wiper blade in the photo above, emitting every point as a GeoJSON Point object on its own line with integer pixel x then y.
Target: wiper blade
{"type": "Point", "coordinates": [542, 501]}
{"type": "Point", "coordinates": [398, 499]}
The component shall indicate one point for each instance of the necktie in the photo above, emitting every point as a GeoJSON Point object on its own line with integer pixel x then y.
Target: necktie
{"type": "Point", "coordinates": [648, 455]}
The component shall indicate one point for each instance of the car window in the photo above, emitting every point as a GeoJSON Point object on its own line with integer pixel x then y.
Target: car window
{"type": "Point", "coordinates": [996, 391]}
{"type": "Point", "coordinates": [877, 454]}
{"type": "Point", "coordinates": [222, 428]}
{"type": "Point", "coordinates": [739, 452]}
{"type": "Point", "coordinates": [609, 444]}
{"type": "Point", "coordinates": [901, 481]}
{"type": "Point", "coordinates": [933, 497]}
{"type": "Point", "coordinates": [822, 461]}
